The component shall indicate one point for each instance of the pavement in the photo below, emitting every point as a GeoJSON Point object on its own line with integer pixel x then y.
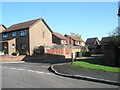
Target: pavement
{"type": "Point", "coordinates": [11, 61]}
{"type": "Point", "coordinates": [100, 76]}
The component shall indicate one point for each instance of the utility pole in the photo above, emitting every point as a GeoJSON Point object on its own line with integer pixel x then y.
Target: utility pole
{"type": "Point", "coordinates": [118, 14]}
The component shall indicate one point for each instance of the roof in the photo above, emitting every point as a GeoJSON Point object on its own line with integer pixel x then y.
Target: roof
{"type": "Point", "coordinates": [73, 37]}
{"type": "Point", "coordinates": [91, 40]}
{"type": "Point", "coordinates": [106, 40]}
{"type": "Point", "coordinates": [60, 36]}
{"type": "Point", "coordinates": [25, 25]}
{"type": "Point", "coordinates": [3, 26]}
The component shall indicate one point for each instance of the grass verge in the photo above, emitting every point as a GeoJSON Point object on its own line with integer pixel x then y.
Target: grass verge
{"type": "Point", "coordinates": [94, 66]}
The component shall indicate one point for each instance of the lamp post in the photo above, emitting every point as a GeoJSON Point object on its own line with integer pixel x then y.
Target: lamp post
{"type": "Point", "coordinates": [118, 14]}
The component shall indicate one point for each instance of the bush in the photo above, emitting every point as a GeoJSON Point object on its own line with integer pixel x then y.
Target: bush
{"type": "Point", "coordinates": [79, 54]}
{"type": "Point", "coordinates": [83, 54]}
{"type": "Point", "coordinates": [87, 54]}
{"type": "Point", "coordinates": [39, 50]}
{"type": "Point", "coordinates": [15, 53]}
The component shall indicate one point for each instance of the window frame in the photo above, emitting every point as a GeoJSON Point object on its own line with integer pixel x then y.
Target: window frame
{"type": "Point", "coordinates": [5, 35]}
{"type": "Point", "coordinates": [14, 34]}
{"type": "Point", "coordinates": [23, 46]}
{"type": "Point", "coordinates": [23, 33]}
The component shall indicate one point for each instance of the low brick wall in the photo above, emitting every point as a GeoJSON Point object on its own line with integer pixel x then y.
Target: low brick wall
{"type": "Point", "coordinates": [65, 52]}
{"type": "Point", "coordinates": [34, 57]}
{"type": "Point", "coordinates": [12, 58]}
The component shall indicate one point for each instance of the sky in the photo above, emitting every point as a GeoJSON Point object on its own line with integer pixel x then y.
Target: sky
{"type": "Point", "coordinates": [88, 19]}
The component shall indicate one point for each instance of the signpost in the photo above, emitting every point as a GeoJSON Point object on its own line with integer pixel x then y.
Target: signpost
{"type": "Point", "coordinates": [73, 57]}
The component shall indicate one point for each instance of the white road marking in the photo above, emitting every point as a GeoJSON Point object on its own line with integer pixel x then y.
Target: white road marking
{"type": "Point", "coordinates": [20, 69]}
{"type": "Point", "coordinates": [31, 70]}
{"type": "Point", "coordinates": [45, 66]}
{"type": "Point", "coordinates": [49, 73]}
{"type": "Point", "coordinates": [4, 67]}
{"type": "Point", "coordinates": [40, 72]}
{"type": "Point", "coordinates": [13, 68]}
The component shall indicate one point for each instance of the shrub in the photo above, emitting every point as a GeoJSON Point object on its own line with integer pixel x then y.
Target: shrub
{"type": "Point", "coordinates": [87, 54]}
{"type": "Point", "coordinates": [27, 52]}
{"type": "Point", "coordinates": [15, 53]}
{"type": "Point", "coordinates": [83, 54]}
{"type": "Point", "coordinates": [79, 54]}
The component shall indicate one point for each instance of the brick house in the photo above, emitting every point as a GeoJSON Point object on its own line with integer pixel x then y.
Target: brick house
{"type": "Point", "coordinates": [59, 39]}
{"type": "Point", "coordinates": [24, 37]}
{"type": "Point", "coordinates": [73, 41]}
{"type": "Point", "coordinates": [2, 27]}
{"type": "Point", "coordinates": [94, 45]}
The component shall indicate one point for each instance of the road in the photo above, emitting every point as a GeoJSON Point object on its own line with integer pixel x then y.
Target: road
{"type": "Point", "coordinates": [37, 75]}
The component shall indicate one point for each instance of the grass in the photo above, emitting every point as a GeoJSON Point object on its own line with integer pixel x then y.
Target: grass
{"type": "Point", "coordinates": [95, 66]}
{"type": "Point", "coordinates": [97, 60]}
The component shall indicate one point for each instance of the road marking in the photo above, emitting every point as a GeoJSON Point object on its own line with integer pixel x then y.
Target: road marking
{"type": "Point", "coordinates": [45, 66]}
{"type": "Point", "coordinates": [13, 68]}
{"type": "Point", "coordinates": [31, 70]}
{"type": "Point", "coordinates": [20, 69]}
{"type": "Point", "coordinates": [40, 72]}
{"type": "Point", "coordinates": [4, 67]}
{"type": "Point", "coordinates": [49, 73]}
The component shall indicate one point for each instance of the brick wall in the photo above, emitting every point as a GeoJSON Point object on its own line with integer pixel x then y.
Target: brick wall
{"type": "Point", "coordinates": [34, 57]}
{"type": "Point", "coordinates": [66, 52]}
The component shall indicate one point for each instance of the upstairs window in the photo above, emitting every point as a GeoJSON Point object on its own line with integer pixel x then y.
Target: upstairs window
{"type": "Point", "coordinates": [14, 34]}
{"type": "Point", "coordinates": [43, 34]}
{"type": "Point", "coordinates": [5, 35]}
{"type": "Point", "coordinates": [23, 32]}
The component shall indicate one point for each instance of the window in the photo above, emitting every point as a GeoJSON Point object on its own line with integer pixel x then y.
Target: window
{"type": "Point", "coordinates": [23, 45]}
{"type": "Point", "coordinates": [43, 34]}
{"type": "Point", "coordinates": [62, 41]}
{"type": "Point", "coordinates": [5, 35]}
{"type": "Point", "coordinates": [23, 32]}
{"type": "Point", "coordinates": [13, 45]}
{"type": "Point", "coordinates": [14, 34]}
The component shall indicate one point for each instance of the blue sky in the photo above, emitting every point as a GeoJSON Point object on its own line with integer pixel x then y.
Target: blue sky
{"type": "Point", "coordinates": [89, 19]}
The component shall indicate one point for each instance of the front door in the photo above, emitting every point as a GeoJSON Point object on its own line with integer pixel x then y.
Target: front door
{"type": "Point", "coordinates": [5, 48]}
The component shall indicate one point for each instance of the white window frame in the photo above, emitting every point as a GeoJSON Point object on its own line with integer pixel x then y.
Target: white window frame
{"type": "Point", "coordinates": [14, 34]}
{"type": "Point", "coordinates": [23, 32]}
{"type": "Point", "coordinates": [5, 35]}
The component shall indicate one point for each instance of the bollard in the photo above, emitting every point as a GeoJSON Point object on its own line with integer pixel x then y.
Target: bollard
{"type": "Point", "coordinates": [72, 55]}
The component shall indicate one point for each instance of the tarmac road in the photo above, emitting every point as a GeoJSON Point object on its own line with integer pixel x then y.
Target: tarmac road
{"type": "Point", "coordinates": [37, 75]}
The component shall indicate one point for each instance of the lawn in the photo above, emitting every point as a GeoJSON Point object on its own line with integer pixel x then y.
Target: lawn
{"type": "Point", "coordinates": [96, 60]}
{"type": "Point", "coordinates": [95, 66]}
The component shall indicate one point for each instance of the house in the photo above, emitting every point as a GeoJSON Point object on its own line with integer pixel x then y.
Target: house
{"type": "Point", "coordinates": [73, 41]}
{"type": "Point", "coordinates": [2, 27]}
{"type": "Point", "coordinates": [105, 41]}
{"type": "Point", "coordinates": [93, 44]}
{"type": "Point", "coordinates": [58, 38]}
{"type": "Point", "coordinates": [25, 37]}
